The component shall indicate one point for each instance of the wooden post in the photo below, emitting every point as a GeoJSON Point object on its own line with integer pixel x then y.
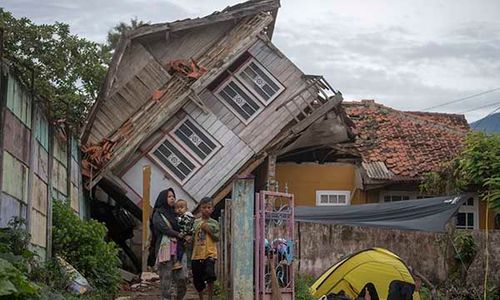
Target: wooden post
{"type": "Point", "coordinates": [146, 180]}
{"type": "Point", "coordinates": [3, 104]}
{"type": "Point", "coordinates": [69, 159]}
{"type": "Point", "coordinates": [271, 171]}
{"type": "Point", "coordinates": [242, 238]}
{"type": "Point", "coordinates": [50, 199]}
{"type": "Point", "coordinates": [32, 158]}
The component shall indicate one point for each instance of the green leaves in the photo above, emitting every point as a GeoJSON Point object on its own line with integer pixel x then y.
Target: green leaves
{"type": "Point", "coordinates": [68, 69]}
{"type": "Point", "coordinates": [13, 284]}
{"type": "Point", "coordinates": [83, 245]}
{"type": "Point", "coordinates": [477, 168]}
{"type": "Point", "coordinates": [493, 194]}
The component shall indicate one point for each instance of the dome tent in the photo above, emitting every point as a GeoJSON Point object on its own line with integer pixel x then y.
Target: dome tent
{"type": "Point", "coordinates": [380, 271]}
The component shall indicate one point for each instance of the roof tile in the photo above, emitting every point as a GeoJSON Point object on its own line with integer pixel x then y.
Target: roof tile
{"type": "Point", "coordinates": [409, 144]}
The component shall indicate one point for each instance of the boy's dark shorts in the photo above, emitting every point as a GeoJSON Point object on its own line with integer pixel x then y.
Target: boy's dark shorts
{"type": "Point", "coordinates": [203, 271]}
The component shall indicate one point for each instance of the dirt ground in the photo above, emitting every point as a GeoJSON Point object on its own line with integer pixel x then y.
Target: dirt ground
{"type": "Point", "coordinates": [150, 291]}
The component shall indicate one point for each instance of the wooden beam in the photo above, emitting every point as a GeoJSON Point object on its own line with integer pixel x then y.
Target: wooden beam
{"type": "Point", "coordinates": [271, 166]}
{"type": "Point", "coordinates": [318, 113]}
{"type": "Point", "coordinates": [231, 13]}
{"type": "Point", "coordinates": [3, 105]}
{"type": "Point", "coordinates": [50, 199]}
{"type": "Point", "coordinates": [242, 264]}
{"type": "Point", "coordinates": [146, 185]}
{"type": "Point", "coordinates": [115, 191]}
{"type": "Point", "coordinates": [198, 102]}
{"type": "Point", "coordinates": [32, 159]}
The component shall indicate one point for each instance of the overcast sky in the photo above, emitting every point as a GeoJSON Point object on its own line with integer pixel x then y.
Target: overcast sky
{"type": "Point", "coordinates": [409, 55]}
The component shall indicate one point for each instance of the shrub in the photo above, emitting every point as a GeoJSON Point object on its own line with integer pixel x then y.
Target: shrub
{"type": "Point", "coordinates": [82, 244]}
{"type": "Point", "coordinates": [14, 245]}
{"type": "Point", "coordinates": [302, 284]}
{"type": "Point", "coordinates": [14, 284]}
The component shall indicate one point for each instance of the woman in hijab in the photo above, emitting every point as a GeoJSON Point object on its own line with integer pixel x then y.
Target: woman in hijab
{"type": "Point", "coordinates": [165, 231]}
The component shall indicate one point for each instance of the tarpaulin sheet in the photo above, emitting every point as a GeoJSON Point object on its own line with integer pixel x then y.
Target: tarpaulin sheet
{"type": "Point", "coordinates": [430, 214]}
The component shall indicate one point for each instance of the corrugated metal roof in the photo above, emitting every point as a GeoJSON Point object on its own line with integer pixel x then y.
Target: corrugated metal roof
{"type": "Point", "coordinates": [377, 170]}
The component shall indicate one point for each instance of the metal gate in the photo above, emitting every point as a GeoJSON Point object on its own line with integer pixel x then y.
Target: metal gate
{"type": "Point", "coordinates": [274, 244]}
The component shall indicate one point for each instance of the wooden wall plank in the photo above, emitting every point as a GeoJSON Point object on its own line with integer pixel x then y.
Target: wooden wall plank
{"type": "Point", "coordinates": [39, 228]}
{"type": "Point", "coordinates": [191, 43]}
{"type": "Point", "coordinates": [59, 177]}
{"type": "Point", "coordinates": [42, 130]}
{"type": "Point", "coordinates": [9, 207]}
{"type": "Point", "coordinates": [75, 171]}
{"type": "Point", "coordinates": [15, 177]}
{"type": "Point", "coordinates": [41, 165]}
{"type": "Point", "coordinates": [39, 191]}
{"type": "Point", "coordinates": [212, 173]}
{"type": "Point", "coordinates": [135, 58]}
{"type": "Point", "coordinates": [19, 100]}
{"type": "Point", "coordinates": [127, 97]}
{"type": "Point", "coordinates": [17, 137]}
{"type": "Point", "coordinates": [75, 204]}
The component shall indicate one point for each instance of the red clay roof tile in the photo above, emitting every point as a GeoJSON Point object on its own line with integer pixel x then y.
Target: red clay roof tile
{"type": "Point", "coordinates": [408, 143]}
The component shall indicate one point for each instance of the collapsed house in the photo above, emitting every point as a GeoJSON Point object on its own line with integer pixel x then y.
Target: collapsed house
{"type": "Point", "coordinates": [202, 101]}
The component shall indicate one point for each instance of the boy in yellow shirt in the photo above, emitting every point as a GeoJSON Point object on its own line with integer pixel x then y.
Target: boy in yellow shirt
{"type": "Point", "coordinates": [206, 236]}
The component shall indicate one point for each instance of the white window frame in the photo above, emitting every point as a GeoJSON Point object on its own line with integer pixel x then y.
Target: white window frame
{"type": "Point", "coordinates": [411, 194]}
{"type": "Point", "coordinates": [179, 148]}
{"type": "Point", "coordinates": [474, 209]}
{"type": "Point", "coordinates": [243, 88]}
{"type": "Point", "coordinates": [186, 147]}
{"type": "Point", "coordinates": [345, 193]}
{"type": "Point", "coordinates": [251, 89]}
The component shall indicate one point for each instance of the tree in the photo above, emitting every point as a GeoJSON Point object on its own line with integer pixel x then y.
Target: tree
{"type": "Point", "coordinates": [115, 33]}
{"type": "Point", "coordinates": [68, 69]}
{"type": "Point", "coordinates": [476, 168]}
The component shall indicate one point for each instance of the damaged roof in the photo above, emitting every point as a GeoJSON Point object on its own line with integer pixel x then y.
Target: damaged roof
{"type": "Point", "coordinates": [144, 88]}
{"type": "Point", "coordinates": [403, 146]}
{"type": "Point", "coordinates": [129, 41]}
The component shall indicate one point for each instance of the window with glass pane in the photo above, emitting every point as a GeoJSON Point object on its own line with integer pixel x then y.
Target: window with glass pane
{"type": "Point", "coordinates": [239, 100]}
{"type": "Point", "coordinates": [332, 197]}
{"type": "Point", "coordinates": [467, 214]}
{"type": "Point", "coordinates": [465, 220]}
{"type": "Point", "coordinates": [469, 202]}
{"type": "Point", "coordinates": [174, 160]}
{"type": "Point", "coordinates": [197, 140]}
{"type": "Point", "coordinates": [258, 80]}
{"type": "Point", "coordinates": [395, 198]}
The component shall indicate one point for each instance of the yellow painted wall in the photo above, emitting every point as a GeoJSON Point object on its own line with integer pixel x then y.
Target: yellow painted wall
{"type": "Point", "coordinates": [482, 216]}
{"type": "Point", "coordinates": [304, 179]}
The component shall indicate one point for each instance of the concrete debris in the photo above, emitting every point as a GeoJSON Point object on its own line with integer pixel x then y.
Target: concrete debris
{"type": "Point", "coordinates": [128, 277]}
{"type": "Point", "coordinates": [149, 276]}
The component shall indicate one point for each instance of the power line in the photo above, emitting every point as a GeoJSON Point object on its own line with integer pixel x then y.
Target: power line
{"type": "Point", "coordinates": [462, 99]}
{"type": "Point", "coordinates": [482, 119]}
{"type": "Point", "coordinates": [480, 107]}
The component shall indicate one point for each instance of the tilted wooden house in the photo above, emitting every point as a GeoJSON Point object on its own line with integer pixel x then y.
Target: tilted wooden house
{"type": "Point", "coordinates": [202, 101]}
